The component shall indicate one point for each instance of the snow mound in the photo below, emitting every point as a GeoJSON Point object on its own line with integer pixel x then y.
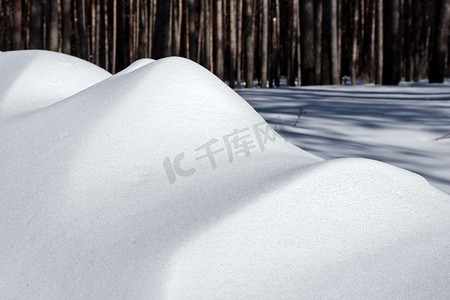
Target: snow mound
{"type": "Point", "coordinates": [33, 79]}
{"type": "Point", "coordinates": [162, 182]}
{"type": "Point", "coordinates": [345, 228]}
{"type": "Point", "coordinates": [136, 65]}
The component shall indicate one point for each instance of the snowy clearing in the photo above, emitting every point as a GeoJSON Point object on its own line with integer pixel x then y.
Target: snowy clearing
{"type": "Point", "coordinates": [162, 183]}
{"type": "Point", "coordinates": [397, 125]}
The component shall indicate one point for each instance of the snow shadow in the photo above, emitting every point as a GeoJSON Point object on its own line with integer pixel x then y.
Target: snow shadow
{"type": "Point", "coordinates": [395, 125]}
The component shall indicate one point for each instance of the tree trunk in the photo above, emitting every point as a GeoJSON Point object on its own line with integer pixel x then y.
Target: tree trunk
{"type": "Point", "coordinates": [114, 37]}
{"type": "Point", "coordinates": [326, 44]}
{"type": "Point", "coordinates": [318, 39]}
{"type": "Point", "coordinates": [355, 47]}
{"type": "Point", "coordinates": [66, 26]}
{"type": "Point", "coordinates": [392, 43]}
{"type": "Point", "coordinates": [367, 67]}
{"type": "Point", "coordinates": [292, 67]}
{"type": "Point", "coordinates": [151, 26]}
{"type": "Point", "coordinates": [379, 42]}
{"type": "Point", "coordinates": [249, 44]}
{"type": "Point", "coordinates": [17, 25]}
{"type": "Point", "coordinates": [437, 64]}
{"type": "Point", "coordinates": [162, 29]}
{"type": "Point", "coordinates": [143, 31]}
{"type": "Point", "coordinates": [277, 44]}
{"type": "Point", "coordinates": [239, 43]}
{"type": "Point", "coordinates": [298, 45]}
{"type": "Point", "coordinates": [409, 42]}
{"type": "Point", "coordinates": [176, 28]}
{"type": "Point", "coordinates": [334, 44]}
{"type": "Point", "coordinates": [36, 25]}
{"type": "Point", "coordinates": [192, 32]}
{"type": "Point", "coordinates": [81, 29]}
{"type": "Point", "coordinates": [416, 38]}
{"type": "Point", "coordinates": [219, 40]}
{"type": "Point", "coordinates": [233, 48]}
{"type": "Point", "coordinates": [208, 36]}
{"type": "Point", "coordinates": [307, 42]}
{"type": "Point", "coordinates": [105, 13]}
{"type": "Point", "coordinates": [53, 28]}
{"type": "Point", "coordinates": [265, 43]}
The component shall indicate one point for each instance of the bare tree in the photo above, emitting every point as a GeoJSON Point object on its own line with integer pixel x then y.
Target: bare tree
{"type": "Point", "coordinates": [292, 65]}
{"type": "Point", "coordinates": [355, 52]}
{"type": "Point", "coordinates": [392, 42]}
{"type": "Point", "coordinates": [440, 46]}
{"type": "Point", "coordinates": [249, 43]}
{"type": "Point", "coordinates": [367, 64]}
{"type": "Point", "coordinates": [192, 31]}
{"type": "Point", "coordinates": [379, 42]}
{"type": "Point", "coordinates": [36, 25]}
{"type": "Point", "coordinates": [307, 42]}
{"type": "Point", "coordinates": [239, 43]}
{"type": "Point", "coordinates": [219, 67]}
{"type": "Point", "coordinates": [277, 44]}
{"type": "Point", "coordinates": [265, 43]}
{"type": "Point", "coordinates": [233, 47]}
{"type": "Point", "coordinates": [318, 39]}
{"type": "Point", "coordinates": [17, 25]}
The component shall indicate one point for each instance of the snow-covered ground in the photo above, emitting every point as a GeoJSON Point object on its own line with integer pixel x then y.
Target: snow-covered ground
{"type": "Point", "coordinates": [398, 125]}
{"type": "Point", "coordinates": [162, 183]}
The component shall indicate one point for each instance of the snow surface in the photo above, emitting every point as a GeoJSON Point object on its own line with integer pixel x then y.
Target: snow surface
{"type": "Point", "coordinates": [33, 79]}
{"type": "Point", "coordinates": [93, 202]}
{"type": "Point", "coordinates": [397, 125]}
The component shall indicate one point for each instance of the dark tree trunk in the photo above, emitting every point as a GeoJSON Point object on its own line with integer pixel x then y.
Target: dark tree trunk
{"type": "Point", "coordinates": [367, 67]}
{"type": "Point", "coordinates": [233, 49]}
{"type": "Point", "coordinates": [292, 66]}
{"type": "Point", "coordinates": [318, 39]}
{"type": "Point", "coordinates": [249, 43]}
{"type": "Point", "coordinates": [219, 40]}
{"type": "Point", "coordinates": [192, 31]}
{"type": "Point", "coordinates": [416, 38]}
{"type": "Point", "coordinates": [17, 25]}
{"type": "Point", "coordinates": [36, 25]}
{"type": "Point", "coordinates": [82, 30]}
{"type": "Point", "coordinates": [392, 43]}
{"type": "Point", "coordinates": [334, 44]}
{"type": "Point", "coordinates": [161, 38]}
{"type": "Point", "coordinates": [307, 42]}
{"type": "Point", "coordinates": [277, 44]}
{"type": "Point", "coordinates": [66, 26]}
{"type": "Point", "coordinates": [53, 28]}
{"type": "Point", "coordinates": [437, 64]}
{"type": "Point", "coordinates": [265, 43]}
{"type": "Point", "coordinates": [239, 43]}
{"type": "Point", "coordinates": [379, 42]}
{"type": "Point", "coordinates": [355, 52]}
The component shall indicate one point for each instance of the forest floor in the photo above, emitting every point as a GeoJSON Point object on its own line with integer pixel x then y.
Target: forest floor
{"type": "Point", "coordinates": [405, 125]}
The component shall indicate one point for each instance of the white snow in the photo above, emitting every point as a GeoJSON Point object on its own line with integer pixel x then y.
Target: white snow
{"type": "Point", "coordinates": [397, 125]}
{"type": "Point", "coordinates": [33, 79]}
{"type": "Point", "coordinates": [93, 203]}
{"type": "Point", "coordinates": [135, 65]}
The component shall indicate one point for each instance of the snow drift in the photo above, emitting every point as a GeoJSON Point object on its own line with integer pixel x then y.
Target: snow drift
{"type": "Point", "coordinates": [161, 182]}
{"type": "Point", "coordinates": [34, 79]}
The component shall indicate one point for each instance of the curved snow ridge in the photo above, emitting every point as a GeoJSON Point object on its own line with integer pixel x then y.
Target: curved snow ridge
{"type": "Point", "coordinates": [343, 228]}
{"type": "Point", "coordinates": [33, 79]}
{"type": "Point", "coordinates": [160, 110]}
{"type": "Point", "coordinates": [134, 66]}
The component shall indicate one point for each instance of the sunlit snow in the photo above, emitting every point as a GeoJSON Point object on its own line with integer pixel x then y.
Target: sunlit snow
{"type": "Point", "coordinates": [161, 182]}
